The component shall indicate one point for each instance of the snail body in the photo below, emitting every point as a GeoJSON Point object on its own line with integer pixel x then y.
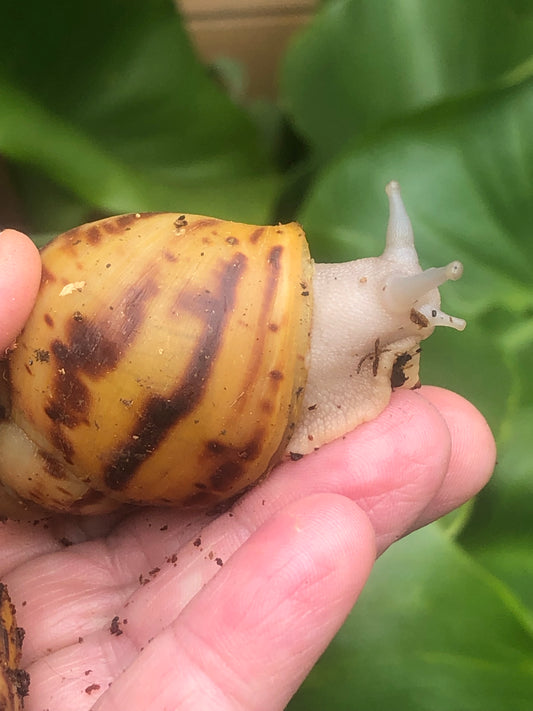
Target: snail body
{"type": "Point", "coordinates": [175, 359]}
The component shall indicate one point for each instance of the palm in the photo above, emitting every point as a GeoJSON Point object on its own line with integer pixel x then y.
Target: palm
{"type": "Point", "coordinates": [179, 610]}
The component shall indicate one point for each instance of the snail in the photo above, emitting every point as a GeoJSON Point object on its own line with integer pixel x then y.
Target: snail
{"type": "Point", "coordinates": [174, 359]}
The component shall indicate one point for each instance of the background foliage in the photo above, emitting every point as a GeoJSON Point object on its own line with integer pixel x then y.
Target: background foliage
{"type": "Point", "coordinates": [104, 108]}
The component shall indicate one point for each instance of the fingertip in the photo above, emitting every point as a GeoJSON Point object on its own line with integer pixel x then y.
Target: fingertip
{"type": "Point", "coordinates": [472, 439]}
{"type": "Point", "coordinates": [473, 453]}
{"type": "Point", "coordinates": [17, 245]}
{"type": "Point", "coordinates": [20, 274]}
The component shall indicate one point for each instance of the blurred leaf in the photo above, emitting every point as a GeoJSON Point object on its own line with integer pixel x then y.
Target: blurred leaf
{"type": "Point", "coordinates": [443, 625]}
{"type": "Point", "coordinates": [420, 638]}
{"type": "Point", "coordinates": [500, 534]}
{"type": "Point", "coordinates": [469, 197]}
{"type": "Point", "coordinates": [364, 63]}
{"type": "Point", "coordinates": [467, 178]}
{"type": "Point", "coordinates": [112, 105]}
{"type": "Point", "coordinates": [104, 107]}
{"type": "Point", "coordinates": [471, 364]}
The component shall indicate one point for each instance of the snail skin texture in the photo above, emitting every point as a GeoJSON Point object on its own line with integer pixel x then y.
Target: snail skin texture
{"type": "Point", "coordinates": [175, 359]}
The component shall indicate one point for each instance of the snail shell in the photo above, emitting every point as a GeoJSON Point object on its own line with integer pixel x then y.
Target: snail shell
{"type": "Point", "coordinates": [155, 335]}
{"type": "Point", "coordinates": [165, 361]}
{"type": "Point", "coordinates": [14, 682]}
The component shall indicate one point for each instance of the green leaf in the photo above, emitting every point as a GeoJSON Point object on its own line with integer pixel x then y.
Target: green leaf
{"type": "Point", "coordinates": [465, 166]}
{"type": "Point", "coordinates": [364, 63]}
{"type": "Point", "coordinates": [469, 363]}
{"type": "Point", "coordinates": [500, 533]}
{"type": "Point", "coordinates": [467, 183]}
{"type": "Point", "coordinates": [108, 101]}
{"type": "Point", "coordinates": [420, 638]}
{"type": "Point", "coordinates": [104, 107]}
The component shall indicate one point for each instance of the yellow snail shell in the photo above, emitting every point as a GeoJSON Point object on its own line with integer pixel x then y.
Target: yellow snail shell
{"type": "Point", "coordinates": [174, 359]}
{"type": "Point", "coordinates": [14, 682]}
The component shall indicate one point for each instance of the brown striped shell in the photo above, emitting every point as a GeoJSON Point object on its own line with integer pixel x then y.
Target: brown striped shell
{"type": "Point", "coordinates": [163, 363]}
{"type": "Point", "coordinates": [14, 682]}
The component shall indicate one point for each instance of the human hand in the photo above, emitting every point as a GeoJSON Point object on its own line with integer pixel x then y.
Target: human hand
{"type": "Point", "coordinates": [20, 274]}
{"type": "Point", "coordinates": [230, 612]}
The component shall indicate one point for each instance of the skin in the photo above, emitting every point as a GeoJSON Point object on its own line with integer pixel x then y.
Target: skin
{"type": "Point", "coordinates": [21, 272]}
{"type": "Point", "coordinates": [241, 606]}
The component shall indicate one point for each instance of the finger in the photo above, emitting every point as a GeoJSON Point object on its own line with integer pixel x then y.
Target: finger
{"type": "Point", "coordinates": [20, 274]}
{"type": "Point", "coordinates": [252, 634]}
{"type": "Point", "coordinates": [392, 467]}
{"type": "Point", "coordinates": [473, 455]}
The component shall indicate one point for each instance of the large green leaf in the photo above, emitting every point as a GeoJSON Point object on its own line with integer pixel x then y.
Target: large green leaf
{"type": "Point", "coordinates": [107, 100]}
{"type": "Point", "coordinates": [500, 533]}
{"type": "Point", "coordinates": [461, 638]}
{"type": "Point", "coordinates": [432, 631]}
{"type": "Point", "coordinates": [364, 63]}
{"type": "Point", "coordinates": [468, 185]}
{"type": "Point", "coordinates": [105, 108]}
{"type": "Point", "coordinates": [467, 176]}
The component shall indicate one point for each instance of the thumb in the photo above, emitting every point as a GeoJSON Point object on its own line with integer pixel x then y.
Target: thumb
{"type": "Point", "coordinates": [20, 274]}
